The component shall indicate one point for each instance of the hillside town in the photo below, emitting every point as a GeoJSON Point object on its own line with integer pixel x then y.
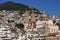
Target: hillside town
{"type": "Point", "coordinates": [34, 26]}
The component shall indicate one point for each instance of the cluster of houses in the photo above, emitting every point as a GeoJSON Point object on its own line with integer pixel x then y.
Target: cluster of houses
{"type": "Point", "coordinates": [8, 31]}
{"type": "Point", "coordinates": [39, 26]}
{"type": "Point", "coordinates": [36, 26]}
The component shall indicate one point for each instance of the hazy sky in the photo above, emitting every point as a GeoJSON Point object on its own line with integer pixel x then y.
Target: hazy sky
{"type": "Point", "coordinates": [50, 6]}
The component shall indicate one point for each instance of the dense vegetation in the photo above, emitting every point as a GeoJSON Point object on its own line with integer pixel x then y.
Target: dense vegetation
{"type": "Point", "coordinates": [20, 25]}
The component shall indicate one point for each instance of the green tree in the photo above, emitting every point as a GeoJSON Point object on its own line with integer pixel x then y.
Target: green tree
{"type": "Point", "coordinates": [20, 25]}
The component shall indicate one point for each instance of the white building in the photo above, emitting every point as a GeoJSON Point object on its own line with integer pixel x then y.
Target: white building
{"type": "Point", "coordinates": [39, 24]}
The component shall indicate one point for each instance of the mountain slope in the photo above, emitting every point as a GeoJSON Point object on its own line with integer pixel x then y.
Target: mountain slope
{"type": "Point", "coordinates": [15, 6]}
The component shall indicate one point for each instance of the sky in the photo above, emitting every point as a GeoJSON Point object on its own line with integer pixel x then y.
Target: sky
{"type": "Point", "coordinates": [52, 7]}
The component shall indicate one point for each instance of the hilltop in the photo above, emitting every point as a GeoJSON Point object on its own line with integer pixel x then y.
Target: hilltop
{"type": "Point", "coordinates": [15, 6]}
